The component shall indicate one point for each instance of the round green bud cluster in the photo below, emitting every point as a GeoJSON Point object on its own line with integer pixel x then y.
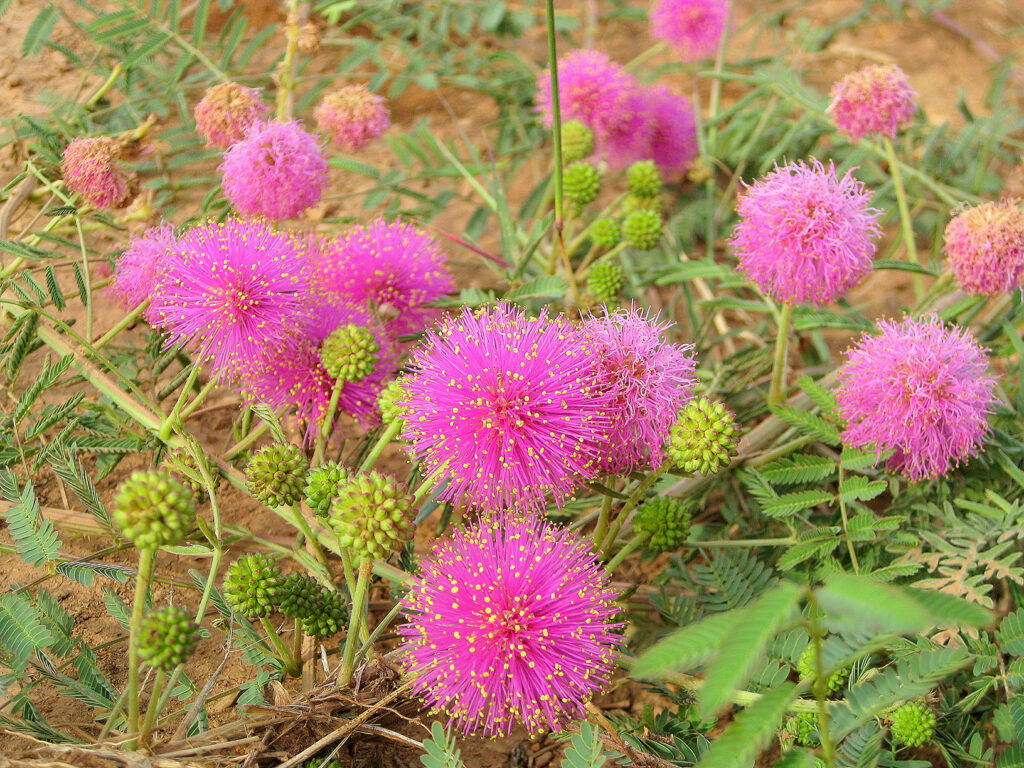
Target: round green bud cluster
{"type": "Point", "coordinates": [252, 584]}
{"type": "Point", "coordinates": [666, 521]}
{"type": "Point", "coordinates": [606, 233]}
{"type": "Point", "coordinates": [184, 458]}
{"type": "Point", "coordinates": [372, 515]}
{"type": "Point", "coordinates": [912, 724]}
{"type": "Point", "coordinates": [322, 485]}
{"type": "Point", "coordinates": [804, 727]}
{"type": "Point", "coordinates": [298, 596]}
{"type": "Point", "coordinates": [153, 509]}
{"type": "Point", "coordinates": [642, 229]}
{"type": "Point", "coordinates": [389, 398]}
{"type": "Point", "coordinates": [577, 141]}
{"type": "Point", "coordinates": [582, 182]}
{"type": "Point", "coordinates": [633, 203]}
{"type": "Point", "coordinates": [330, 617]}
{"type": "Point", "coordinates": [168, 637]}
{"type": "Point", "coordinates": [644, 178]}
{"type": "Point", "coordinates": [605, 280]}
{"type": "Point", "coordinates": [807, 664]}
{"type": "Point", "coordinates": [276, 474]}
{"type": "Point", "coordinates": [350, 353]}
{"type": "Point", "coordinates": [703, 437]}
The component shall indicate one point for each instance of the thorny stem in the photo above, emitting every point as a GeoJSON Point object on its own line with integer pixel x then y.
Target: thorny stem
{"type": "Point", "coordinates": [355, 621]}
{"type": "Point", "coordinates": [142, 579]}
{"type": "Point", "coordinates": [906, 222]}
{"type": "Point", "coordinates": [189, 409]}
{"type": "Point", "coordinates": [314, 543]}
{"type": "Point", "coordinates": [246, 441]}
{"type": "Point", "coordinates": [777, 389]}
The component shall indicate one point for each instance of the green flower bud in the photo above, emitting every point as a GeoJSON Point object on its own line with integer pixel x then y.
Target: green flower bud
{"type": "Point", "coordinates": [372, 515]}
{"type": "Point", "coordinates": [605, 280]}
{"type": "Point", "coordinates": [350, 353]}
{"type": "Point", "coordinates": [388, 399]}
{"type": "Point", "coordinates": [806, 665]}
{"type": "Point", "coordinates": [298, 595]}
{"type": "Point", "coordinates": [276, 474]}
{"type": "Point", "coordinates": [644, 178]}
{"type": "Point", "coordinates": [642, 229]}
{"type": "Point", "coordinates": [252, 584]}
{"type": "Point", "coordinates": [330, 617]}
{"type": "Point", "coordinates": [153, 509]}
{"type": "Point", "coordinates": [582, 182]}
{"type": "Point", "coordinates": [175, 460]}
{"type": "Point", "coordinates": [322, 485]}
{"type": "Point", "coordinates": [804, 728]}
{"type": "Point", "coordinates": [666, 520]}
{"type": "Point", "coordinates": [703, 437]}
{"type": "Point", "coordinates": [912, 724]}
{"type": "Point", "coordinates": [606, 233]}
{"type": "Point", "coordinates": [168, 637]}
{"type": "Point", "coordinates": [577, 141]}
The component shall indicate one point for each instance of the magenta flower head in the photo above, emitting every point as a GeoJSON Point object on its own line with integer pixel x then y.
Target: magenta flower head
{"type": "Point", "coordinates": [985, 248]}
{"type": "Point", "coordinates": [510, 623]}
{"type": "Point", "coordinates": [295, 378]}
{"type": "Point", "coordinates": [226, 112]}
{"type": "Point", "coordinates": [394, 267]}
{"type": "Point", "coordinates": [673, 131]}
{"type": "Point", "coordinates": [506, 408]}
{"type": "Point", "coordinates": [354, 116]}
{"type": "Point", "coordinates": [649, 380]}
{"type": "Point", "coordinates": [91, 169]}
{"type": "Point", "coordinates": [805, 236]}
{"type": "Point", "coordinates": [234, 292]}
{"type": "Point", "coordinates": [692, 27]}
{"type": "Point", "coordinates": [278, 170]}
{"type": "Point", "coordinates": [138, 271]}
{"type": "Point", "coordinates": [876, 99]}
{"type": "Point", "coordinates": [920, 390]}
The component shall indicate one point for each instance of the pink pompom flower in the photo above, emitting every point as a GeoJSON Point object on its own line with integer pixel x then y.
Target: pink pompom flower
{"type": "Point", "coordinates": [354, 116]}
{"type": "Point", "coordinates": [234, 292]}
{"type": "Point", "coordinates": [394, 267]}
{"type": "Point", "coordinates": [692, 27]}
{"type": "Point", "coordinates": [806, 236]}
{"type": "Point", "coordinates": [509, 623]}
{"type": "Point", "coordinates": [91, 169]}
{"type": "Point", "coordinates": [295, 378]}
{"type": "Point", "coordinates": [649, 380]}
{"type": "Point", "coordinates": [506, 408]}
{"type": "Point", "coordinates": [920, 390]}
{"type": "Point", "coordinates": [673, 127]}
{"type": "Point", "coordinates": [226, 112]}
{"type": "Point", "coordinates": [875, 99]}
{"type": "Point", "coordinates": [138, 271]}
{"type": "Point", "coordinates": [985, 248]}
{"type": "Point", "coordinates": [278, 170]}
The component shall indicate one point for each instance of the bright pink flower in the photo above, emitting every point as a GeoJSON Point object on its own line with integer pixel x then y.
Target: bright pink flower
{"type": "Point", "coordinates": [876, 99]}
{"type": "Point", "coordinates": [506, 409]}
{"type": "Point", "coordinates": [354, 116]}
{"type": "Point", "coordinates": [806, 236]}
{"type": "Point", "coordinates": [91, 169]}
{"type": "Point", "coordinates": [510, 623]}
{"type": "Point", "coordinates": [673, 131]}
{"type": "Point", "coordinates": [226, 112]}
{"type": "Point", "coordinates": [295, 377]}
{"type": "Point", "coordinates": [234, 292]}
{"type": "Point", "coordinates": [392, 267]}
{"type": "Point", "coordinates": [692, 27]}
{"type": "Point", "coordinates": [278, 170]}
{"type": "Point", "coordinates": [919, 389]}
{"type": "Point", "coordinates": [985, 247]}
{"type": "Point", "coordinates": [649, 380]}
{"type": "Point", "coordinates": [138, 270]}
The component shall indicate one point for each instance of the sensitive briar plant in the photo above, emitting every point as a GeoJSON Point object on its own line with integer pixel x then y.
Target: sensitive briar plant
{"type": "Point", "coordinates": [692, 27]}
{"type": "Point", "coordinates": [137, 275]}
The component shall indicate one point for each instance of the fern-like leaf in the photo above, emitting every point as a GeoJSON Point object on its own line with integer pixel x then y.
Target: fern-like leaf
{"type": "Point", "coordinates": [820, 396]}
{"type": "Point", "coordinates": [808, 424]}
{"type": "Point", "coordinates": [788, 504]}
{"type": "Point", "coordinates": [688, 647]}
{"type": "Point", "coordinates": [1011, 633]}
{"type": "Point", "coordinates": [750, 732]}
{"type": "Point", "coordinates": [441, 750]}
{"type": "Point", "coordinates": [34, 536]}
{"type": "Point", "coordinates": [585, 749]}
{"type": "Point", "coordinates": [801, 468]}
{"type": "Point", "coordinates": [21, 627]}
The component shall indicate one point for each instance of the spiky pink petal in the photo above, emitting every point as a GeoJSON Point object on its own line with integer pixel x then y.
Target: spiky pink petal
{"type": "Point", "coordinates": [137, 275]}
{"type": "Point", "coordinates": [673, 131]}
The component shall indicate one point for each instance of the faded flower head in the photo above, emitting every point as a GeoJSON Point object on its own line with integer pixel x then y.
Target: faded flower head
{"type": "Point", "coordinates": [985, 248]}
{"type": "Point", "coordinates": [393, 267]}
{"type": "Point", "coordinates": [692, 27]}
{"type": "Point", "coordinates": [353, 115]}
{"type": "Point", "coordinates": [875, 99]}
{"type": "Point", "coordinates": [278, 170]}
{"type": "Point", "coordinates": [138, 272]}
{"type": "Point", "coordinates": [673, 129]}
{"type": "Point", "coordinates": [920, 390]}
{"type": "Point", "coordinates": [226, 112]}
{"type": "Point", "coordinates": [234, 292]}
{"type": "Point", "coordinates": [647, 379]}
{"type": "Point", "coordinates": [91, 169]}
{"type": "Point", "coordinates": [806, 236]}
{"type": "Point", "coordinates": [510, 623]}
{"type": "Point", "coordinates": [506, 408]}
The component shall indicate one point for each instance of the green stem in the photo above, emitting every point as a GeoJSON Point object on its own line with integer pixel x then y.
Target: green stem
{"type": "Point", "coordinates": [654, 50]}
{"type": "Point", "coordinates": [246, 441]}
{"type": "Point", "coordinates": [303, 525]}
{"type": "Point", "coordinates": [740, 543]}
{"type": "Point", "coordinates": [172, 419]}
{"type": "Point", "coordinates": [602, 520]}
{"type": "Point", "coordinates": [142, 580]}
{"type": "Point", "coordinates": [291, 665]}
{"type": "Point", "coordinates": [151, 710]}
{"type": "Point", "coordinates": [906, 222]}
{"type": "Point", "coordinates": [556, 116]}
{"type": "Point", "coordinates": [820, 687]}
{"type": "Point", "coordinates": [846, 524]}
{"type": "Point", "coordinates": [286, 78]}
{"type": "Point", "coordinates": [936, 291]}
{"type": "Point", "coordinates": [355, 621]}
{"type": "Point", "coordinates": [638, 494]}
{"type": "Point", "coordinates": [123, 323]}
{"type": "Point", "coordinates": [107, 85]}
{"type": "Point", "coordinates": [327, 424]}
{"type": "Point", "coordinates": [636, 542]}
{"type": "Point", "coordinates": [379, 630]}
{"type": "Point", "coordinates": [382, 442]}
{"type": "Point", "coordinates": [423, 491]}
{"type": "Point", "coordinates": [777, 389]}
{"type": "Point", "coordinates": [198, 399]}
